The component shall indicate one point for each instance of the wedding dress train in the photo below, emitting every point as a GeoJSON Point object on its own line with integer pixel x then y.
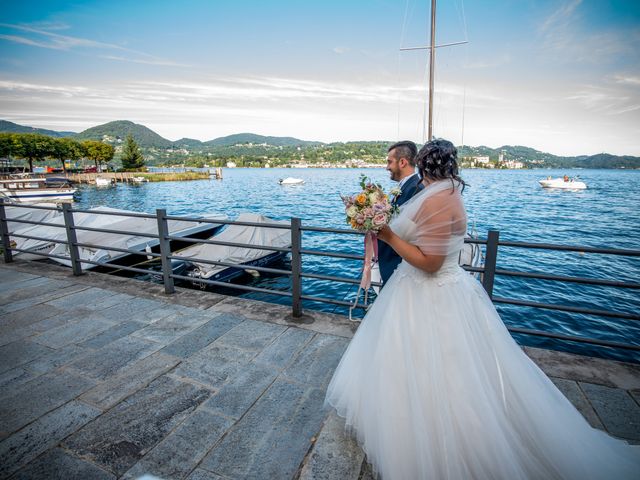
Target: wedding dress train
{"type": "Point", "coordinates": [434, 386]}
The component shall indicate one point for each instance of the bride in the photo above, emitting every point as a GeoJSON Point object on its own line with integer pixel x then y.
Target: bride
{"type": "Point", "coordinates": [432, 383]}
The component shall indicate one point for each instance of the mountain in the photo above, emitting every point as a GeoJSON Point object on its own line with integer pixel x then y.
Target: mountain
{"type": "Point", "coordinates": [10, 127]}
{"type": "Point", "coordinates": [244, 138]}
{"type": "Point", "coordinates": [188, 143]}
{"type": "Point", "coordinates": [118, 130]}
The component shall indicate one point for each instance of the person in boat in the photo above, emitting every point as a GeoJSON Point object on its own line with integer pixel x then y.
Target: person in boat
{"type": "Point", "coordinates": [401, 165]}
{"type": "Point", "coordinates": [566, 178]}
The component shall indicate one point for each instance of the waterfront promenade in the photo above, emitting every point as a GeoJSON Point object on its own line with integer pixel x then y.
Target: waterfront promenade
{"type": "Point", "coordinates": [104, 377]}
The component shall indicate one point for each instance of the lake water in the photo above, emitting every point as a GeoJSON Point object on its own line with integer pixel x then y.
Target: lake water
{"type": "Point", "coordinates": [607, 214]}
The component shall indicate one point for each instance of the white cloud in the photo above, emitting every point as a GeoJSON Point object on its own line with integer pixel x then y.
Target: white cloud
{"type": "Point", "coordinates": [43, 38]}
{"type": "Point", "coordinates": [341, 50]}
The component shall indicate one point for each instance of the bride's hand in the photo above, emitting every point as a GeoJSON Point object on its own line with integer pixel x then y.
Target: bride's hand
{"type": "Point", "coordinates": [385, 234]}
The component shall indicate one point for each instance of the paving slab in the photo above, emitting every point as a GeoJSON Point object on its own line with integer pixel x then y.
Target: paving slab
{"type": "Point", "coordinates": [74, 332]}
{"type": "Point", "coordinates": [600, 371]}
{"type": "Point", "coordinates": [242, 390]}
{"type": "Point", "coordinates": [60, 318]}
{"type": "Point", "coordinates": [60, 289]}
{"type": "Point", "coordinates": [113, 333]}
{"type": "Point", "coordinates": [142, 310]}
{"type": "Point", "coordinates": [619, 413]}
{"type": "Point", "coordinates": [122, 436]}
{"type": "Point", "coordinates": [273, 437]}
{"type": "Point", "coordinates": [39, 396]}
{"type": "Point", "coordinates": [43, 434]}
{"type": "Point", "coordinates": [317, 361]}
{"type": "Point", "coordinates": [11, 379]}
{"type": "Point", "coordinates": [113, 358]}
{"type": "Point", "coordinates": [320, 322]}
{"type": "Point", "coordinates": [201, 337]}
{"type": "Point", "coordinates": [36, 287]}
{"type": "Point", "coordinates": [576, 396]}
{"type": "Point", "coordinates": [20, 352]}
{"type": "Point", "coordinates": [56, 359]}
{"type": "Point", "coordinates": [168, 329]}
{"type": "Point", "coordinates": [335, 454]}
{"type": "Point", "coordinates": [58, 464]}
{"type": "Point", "coordinates": [17, 277]}
{"type": "Point", "coordinates": [179, 453]}
{"type": "Point", "coordinates": [214, 365]}
{"type": "Point", "coordinates": [199, 474]}
{"type": "Point", "coordinates": [92, 298]}
{"type": "Point", "coordinates": [26, 316]}
{"type": "Point", "coordinates": [280, 353]}
{"type": "Point", "coordinates": [252, 335]}
{"type": "Point", "coordinates": [136, 377]}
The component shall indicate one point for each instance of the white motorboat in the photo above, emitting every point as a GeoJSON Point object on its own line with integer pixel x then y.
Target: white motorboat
{"type": "Point", "coordinates": [104, 182]}
{"type": "Point", "coordinates": [30, 190]}
{"type": "Point", "coordinates": [139, 179]}
{"type": "Point", "coordinates": [273, 237]}
{"type": "Point", "coordinates": [565, 183]}
{"type": "Point", "coordinates": [291, 181]}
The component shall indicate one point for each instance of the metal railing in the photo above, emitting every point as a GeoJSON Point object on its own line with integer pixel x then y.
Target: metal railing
{"type": "Point", "coordinates": [488, 271]}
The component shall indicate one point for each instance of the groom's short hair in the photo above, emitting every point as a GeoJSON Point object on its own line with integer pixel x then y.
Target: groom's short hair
{"type": "Point", "coordinates": [405, 149]}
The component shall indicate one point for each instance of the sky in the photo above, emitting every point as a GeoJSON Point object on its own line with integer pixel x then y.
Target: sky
{"type": "Point", "coordinates": [559, 76]}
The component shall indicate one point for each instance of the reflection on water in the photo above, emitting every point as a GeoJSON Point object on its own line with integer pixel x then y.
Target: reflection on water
{"type": "Point", "coordinates": [604, 215]}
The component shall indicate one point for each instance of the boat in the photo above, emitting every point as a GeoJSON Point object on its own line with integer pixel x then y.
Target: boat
{"type": "Point", "coordinates": [30, 190]}
{"type": "Point", "coordinates": [50, 236]}
{"type": "Point", "coordinates": [139, 179]}
{"type": "Point", "coordinates": [291, 181]}
{"type": "Point", "coordinates": [104, 182]}
{"type": "Point", "coordinates": [565, 183]}
{"type": "Point", "coordinates": [240, 234]}
{"type": "Point", "coordinates": [140, 243]}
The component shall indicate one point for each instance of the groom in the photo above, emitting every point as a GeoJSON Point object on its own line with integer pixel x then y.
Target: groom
{"type": "Point", "coordinates": [402, 168]}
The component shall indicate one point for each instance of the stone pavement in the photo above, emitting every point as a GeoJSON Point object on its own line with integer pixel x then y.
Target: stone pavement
{"type": "Point", "coordinates": [104, 377]}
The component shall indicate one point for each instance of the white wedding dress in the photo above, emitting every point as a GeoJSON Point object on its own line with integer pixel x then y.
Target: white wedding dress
{"type": "Point", "coordinates": [434, 386]}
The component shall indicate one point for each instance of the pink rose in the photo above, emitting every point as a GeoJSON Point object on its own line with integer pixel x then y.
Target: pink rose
{"type": "Point", "coordinates": [379, 220]}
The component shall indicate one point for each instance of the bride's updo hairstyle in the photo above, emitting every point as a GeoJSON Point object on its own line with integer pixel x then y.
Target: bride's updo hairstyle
{"type": "Point", "coordinates": [438, 160]}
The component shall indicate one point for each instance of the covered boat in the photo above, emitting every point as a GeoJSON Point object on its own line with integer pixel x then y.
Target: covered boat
{"type": "Point", "coordinates": [272, 237]}
{"type": "Point", "coordinates": [50, 235]}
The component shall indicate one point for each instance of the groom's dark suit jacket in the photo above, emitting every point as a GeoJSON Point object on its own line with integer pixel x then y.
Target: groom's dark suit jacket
{"type": "Point", "coordinates": [388, 259]}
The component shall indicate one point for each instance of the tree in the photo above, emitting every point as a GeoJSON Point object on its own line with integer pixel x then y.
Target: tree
{"type": "Point", "coordinates": [66, 149]}
{"type": "Point", "coordinates": [131, 159]}
{"type": "Point", "coordinates": [33, 147]}
{"type": "Point", "coordinates": [98, 152]}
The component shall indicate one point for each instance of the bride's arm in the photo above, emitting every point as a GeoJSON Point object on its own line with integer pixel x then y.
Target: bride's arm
{"type": "Point", "coordinates": [412, 254]}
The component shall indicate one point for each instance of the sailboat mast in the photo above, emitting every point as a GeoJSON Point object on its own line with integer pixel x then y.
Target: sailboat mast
{"type": "Point", "coordinates": [432, 62]}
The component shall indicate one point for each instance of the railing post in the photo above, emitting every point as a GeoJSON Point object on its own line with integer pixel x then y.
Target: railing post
{"type": "Point", "coordinates": [165, 250]}
{"type": "Point", "coordinates": [490, 261]}
{"type": "Point", "coordinates": [72, 239]}
{"type": "Point", "coordinates": [4, 232]}
{"type": "Point", "coordinates": [296, 267]}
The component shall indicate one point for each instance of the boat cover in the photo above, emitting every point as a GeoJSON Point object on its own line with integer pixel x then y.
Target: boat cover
{"type": "Point", "coordinates": [274, 237]}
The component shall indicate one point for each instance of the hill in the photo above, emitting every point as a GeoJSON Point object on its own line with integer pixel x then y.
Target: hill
{"type": "Point", "coordinates": [245, 138]}
{"type": "Point", "coordinates": [115, 132]}
{"type": "Point", "coordinates": [10, 127]}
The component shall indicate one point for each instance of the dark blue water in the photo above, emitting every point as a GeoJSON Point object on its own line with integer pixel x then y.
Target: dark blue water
{"type": "Point", "coordinates": [511, 201]}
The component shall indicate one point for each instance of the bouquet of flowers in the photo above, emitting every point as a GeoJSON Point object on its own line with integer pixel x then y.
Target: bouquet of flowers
{"type": "Point", "coordinates": [367, 212]}
{"type": "Point", "coordinates": [371, 209]}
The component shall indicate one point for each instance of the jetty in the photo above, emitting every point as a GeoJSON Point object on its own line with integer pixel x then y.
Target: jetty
{"type": "Point", "coordinates": [106, 377]}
